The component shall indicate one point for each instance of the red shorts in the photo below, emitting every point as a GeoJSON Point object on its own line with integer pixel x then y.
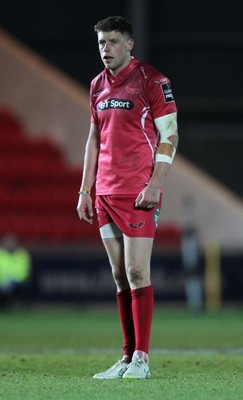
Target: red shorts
{"type": "Point", "coordinates": [132, 221]}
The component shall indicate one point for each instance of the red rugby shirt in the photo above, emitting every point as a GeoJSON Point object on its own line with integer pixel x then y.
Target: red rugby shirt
{"type": "Point", "coordinates": [124, 109]}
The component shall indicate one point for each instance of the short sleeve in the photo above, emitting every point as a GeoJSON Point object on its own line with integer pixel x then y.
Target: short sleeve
{"type": "Point", "coordinates": [160, 96]}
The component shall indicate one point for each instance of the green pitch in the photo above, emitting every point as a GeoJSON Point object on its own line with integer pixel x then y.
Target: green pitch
{"type": "Point", "coordinates": [53, 355]}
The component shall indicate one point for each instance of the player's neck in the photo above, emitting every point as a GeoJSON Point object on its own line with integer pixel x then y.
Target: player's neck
{"type": "Point", "coordinates": [115, 72]}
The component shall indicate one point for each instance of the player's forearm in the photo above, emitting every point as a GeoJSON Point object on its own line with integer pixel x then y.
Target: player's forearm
{"type": "Point", "coordinates": [89, 175]}
{"type": "Point", "coordinates": [163, 160]}
{"type": "Point", "coordinates": [90, 163]}
{"type": "Point", "coordinates": [89, 172]}
{"type": "Point", "coordinates": [167, 127]}
{"type": "Point", "coordinates": [161, 169]}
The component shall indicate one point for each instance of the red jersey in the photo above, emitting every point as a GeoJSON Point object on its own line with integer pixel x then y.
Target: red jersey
{"type": "Point", "coordinates": [124, 108]}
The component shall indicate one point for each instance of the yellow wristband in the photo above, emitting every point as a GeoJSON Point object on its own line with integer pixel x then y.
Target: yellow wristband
{"type": "Point", "coordinates": [83, 192]}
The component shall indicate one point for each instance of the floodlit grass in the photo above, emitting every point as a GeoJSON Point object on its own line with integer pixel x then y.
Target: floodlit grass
{"type": "Point", "coordinates": [53, 355]}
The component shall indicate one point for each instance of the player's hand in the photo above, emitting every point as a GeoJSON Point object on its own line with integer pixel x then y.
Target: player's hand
{"type": "Point", "coordinates": [147, 198]}
{"type": "Point", "coordinates": [85, 208]}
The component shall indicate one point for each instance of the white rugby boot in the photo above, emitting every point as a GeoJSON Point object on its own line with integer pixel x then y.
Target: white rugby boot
{"type": "Point", "coordinates": [139, 367]}
{"type": "Point", "coordinates": [115, 372]}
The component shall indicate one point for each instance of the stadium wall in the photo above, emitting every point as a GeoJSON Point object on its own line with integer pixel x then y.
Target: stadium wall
{"type": "Point", "coordinates": [68, 277]}
{"type": "Point", "coordinates": [46, 99]}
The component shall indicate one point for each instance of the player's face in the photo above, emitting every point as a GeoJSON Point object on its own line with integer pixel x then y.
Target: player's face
{"type": "Point", "coordinates": [114, 50]}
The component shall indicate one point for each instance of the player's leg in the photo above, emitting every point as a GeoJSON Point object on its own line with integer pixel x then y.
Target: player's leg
{"type": "Point", "coordinates": [138, 252]}
{"type": "Point", "coordinates": [113, 242]}
{"type": "Point", "coordinates": [115, 251]}
{"type": "Point", "coordinates": [137, 261]}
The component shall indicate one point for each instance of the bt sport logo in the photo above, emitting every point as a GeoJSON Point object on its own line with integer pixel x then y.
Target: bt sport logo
{"type": "Point", "coordinates": [121, 104]}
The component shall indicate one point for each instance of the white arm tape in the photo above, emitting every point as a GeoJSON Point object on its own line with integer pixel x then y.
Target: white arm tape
{"type": "Point", "coordinates": [164, 158]}
{"type": "Point", "coordinates": [167, 128]}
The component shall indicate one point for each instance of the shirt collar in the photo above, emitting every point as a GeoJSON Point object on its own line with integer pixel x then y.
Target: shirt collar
{"type": "Point", "coordinates": [126, 70]}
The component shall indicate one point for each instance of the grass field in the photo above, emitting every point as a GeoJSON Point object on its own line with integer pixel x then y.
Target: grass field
{"type": "Point", "coordinates": [53, 355]}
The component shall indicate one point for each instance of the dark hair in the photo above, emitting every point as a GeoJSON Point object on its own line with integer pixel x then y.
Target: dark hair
{"type": "Point", "coordinates": [115, 23]}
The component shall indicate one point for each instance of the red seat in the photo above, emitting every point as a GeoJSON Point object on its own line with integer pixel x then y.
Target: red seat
{"type": "Point", "coordinates": [38, 190]}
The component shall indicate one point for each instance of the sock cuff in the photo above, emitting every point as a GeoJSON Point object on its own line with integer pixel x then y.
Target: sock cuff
{"type": "Point", "coordinates": [124, 294]}
{"type": "Point", "coordinates": [147, 290]}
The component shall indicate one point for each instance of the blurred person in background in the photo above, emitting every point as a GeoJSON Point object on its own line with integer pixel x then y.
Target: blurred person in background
{"type": "Point", "coordinates": [15, 269]}
{"type": "Point", "coordinates": [190, 254]}
{"type": "Point", "coordinates": [130, 148]}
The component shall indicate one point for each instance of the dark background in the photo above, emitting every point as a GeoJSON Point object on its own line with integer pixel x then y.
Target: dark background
{"type": "Point", "coordinates": [198, 45]}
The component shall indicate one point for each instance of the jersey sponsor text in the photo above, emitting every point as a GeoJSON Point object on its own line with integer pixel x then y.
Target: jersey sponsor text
{"type": "Point", "coordinates": [122, 104]}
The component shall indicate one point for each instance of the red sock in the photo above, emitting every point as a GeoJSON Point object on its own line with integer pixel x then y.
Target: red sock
{"type": "Point", "coordinates": [142, 308]}
{"type": "Point", "coordinates": [124, 302]}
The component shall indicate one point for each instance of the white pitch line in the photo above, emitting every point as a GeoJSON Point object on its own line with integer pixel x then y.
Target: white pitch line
{"type": "Point", "coordinates": [109, 351]}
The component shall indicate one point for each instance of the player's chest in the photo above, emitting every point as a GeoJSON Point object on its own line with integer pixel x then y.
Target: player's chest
{"type": "Point", "coordinates": [119, 100]}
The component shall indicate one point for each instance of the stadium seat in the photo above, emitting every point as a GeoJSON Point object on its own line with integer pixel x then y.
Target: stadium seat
{"type": "Point", "coordinates": [38, 189]}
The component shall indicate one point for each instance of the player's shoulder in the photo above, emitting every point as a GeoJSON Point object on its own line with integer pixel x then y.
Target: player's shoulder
{"type": "Point", "coordinates": [98, 79]}
{"type": "Point", "coordinates": [150, 73]}
{"type": "Point", "coordinates": [98, 85]}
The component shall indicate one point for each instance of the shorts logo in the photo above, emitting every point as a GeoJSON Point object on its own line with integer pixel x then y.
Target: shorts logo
{"type": "Point", "coordinates": [136, 226]}
{"type": "Point", "coordinates": [121, 104]}
{"type": "Point", "coordinates": [167, 92]}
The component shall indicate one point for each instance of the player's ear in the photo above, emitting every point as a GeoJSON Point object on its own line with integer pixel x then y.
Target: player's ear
{"type": "Point", "coordinates": [130, 44]}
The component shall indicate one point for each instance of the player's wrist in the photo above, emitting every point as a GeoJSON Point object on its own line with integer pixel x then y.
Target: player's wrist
{"type": "Point", "coordinates": [154, 186]}
{"type": "Point", "coordinates": [84, 190]}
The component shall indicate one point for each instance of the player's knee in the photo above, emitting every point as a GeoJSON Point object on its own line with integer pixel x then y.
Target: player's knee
{"type": "Point", "coordinates": [120, 278]}
{"type": "Point", "coordinates": [135, 276]}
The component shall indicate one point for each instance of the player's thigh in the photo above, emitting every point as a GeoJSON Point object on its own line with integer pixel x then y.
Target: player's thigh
{"type": "Point", "coordinates": [138, 252]}
{"type": "Point", "coordinates": [115, 250]}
